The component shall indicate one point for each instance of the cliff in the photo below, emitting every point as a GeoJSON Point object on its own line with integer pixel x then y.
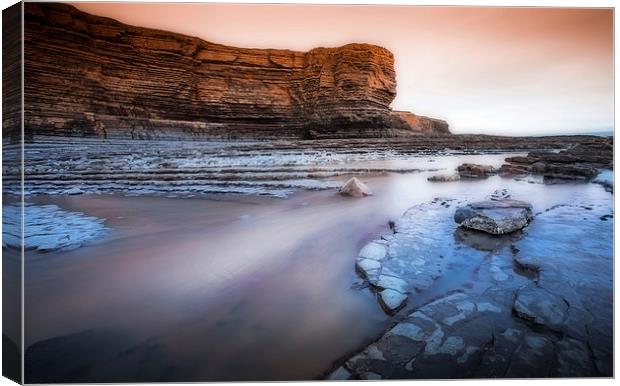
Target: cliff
{"type": "Point", "coordinates": [419, 123]}
{"type": "Point", "coordinates": [87, 75]}
{"type": "Point", "coordinates": [11, 74]}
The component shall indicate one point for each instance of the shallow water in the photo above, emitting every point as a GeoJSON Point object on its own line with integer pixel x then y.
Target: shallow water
{"type": "Point", "coordinates": [231, 287]}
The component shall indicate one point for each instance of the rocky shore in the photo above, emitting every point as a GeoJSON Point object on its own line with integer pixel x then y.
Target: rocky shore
{"type": "Point", "coordinates": [545, 305]}
{"type": "Point", "coordinates": [57, 165]}
{"type": "Point", "coordinates": [582, 161]}
{"type": "Point", "coordinates": [544, 310]}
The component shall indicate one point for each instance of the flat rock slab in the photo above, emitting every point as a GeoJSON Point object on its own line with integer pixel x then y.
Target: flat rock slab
{"type": "Point", "coordinates": [442, 339]}
{"type": "Point", "coordinates": [521, 353]}
{"type": "Point", "coordinates": [569, 249]}
{"type": "Point", "coordinates": [495, 216]}
{"type": "Point", "coordinates": [463, 336]}
{"type": "Point", "coordinates": [541, 306]}
{"type": "Point", "coordinates": [48, 228]}
{"type": "Point", "coordinates": [411, 258]}
{"type": "Point", "coordinates": [580, 162]}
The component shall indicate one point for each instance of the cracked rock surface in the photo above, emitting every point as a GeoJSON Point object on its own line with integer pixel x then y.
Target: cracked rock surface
{"type": "Point", "coordinates": [411, 258]}
{"type": "Point", "coordinates": [540, 305]}
{"type": "Point", "coordinates": [570, 250]}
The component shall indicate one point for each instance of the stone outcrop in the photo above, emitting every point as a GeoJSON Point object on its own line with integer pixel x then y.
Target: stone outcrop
{"type": "Point", "coordinates": [87, 75]}
{"type": "Point", "coordinates": [275, 168]}
{"type": "Point", "coordinates": [420, 124]}
{"type": "Point", "coordinates": [496, 217]}
{"type": "Point", "coordinates": [475, 171]}
{"type": "Point", "coordinates": [583, 161]}
{"type": "Point", "coordinates": [444, 178]}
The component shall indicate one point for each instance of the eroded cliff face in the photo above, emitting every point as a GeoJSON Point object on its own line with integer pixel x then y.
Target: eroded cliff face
{"type": "Point", "coordinates": [419, 123]}
{"type": "Point", "coordinates": [87, 75]}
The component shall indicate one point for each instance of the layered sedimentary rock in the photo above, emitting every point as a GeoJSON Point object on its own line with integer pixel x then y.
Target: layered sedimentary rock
{"type": "Point", "coordinates": [583, 161]}
{"type": "Point", "coordinates": [11, 73]}
{"type": "Point", "coordinates": [420, 124]}
{"type": "Point", "coordinates": [55, 165]}
{"type": "Point", "coordinates": [93, 76]}
{"type": "Point", "coordinates": [468, 170]}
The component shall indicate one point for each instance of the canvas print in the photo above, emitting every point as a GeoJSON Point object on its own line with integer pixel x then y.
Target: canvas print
{"type": "Point", "coordinates": [201, 192]}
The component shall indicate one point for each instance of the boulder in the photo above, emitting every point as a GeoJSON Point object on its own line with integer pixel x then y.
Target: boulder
{"type": "Point", "coordinates": [355, 188]}
{"type": "Point", "coordinates": [74, 191]}
{"type": "Point", "coordinates": [467, 170]}
{"type": "Point", "coordinates": [514, 169]}
{"type": "Point", "coordinates": [444, 178]}
{"type": "Point", "coordinates": [496, 217]}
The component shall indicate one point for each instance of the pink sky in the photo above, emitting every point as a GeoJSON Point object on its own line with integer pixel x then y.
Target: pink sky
{"type": "Point", "coordinates": [483, 69]}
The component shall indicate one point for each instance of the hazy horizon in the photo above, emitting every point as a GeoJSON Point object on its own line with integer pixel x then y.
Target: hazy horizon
{"type": "Point", "coordinates": [507, 71]}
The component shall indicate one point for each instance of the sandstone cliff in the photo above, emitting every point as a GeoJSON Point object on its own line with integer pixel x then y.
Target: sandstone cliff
{"type": "Point", "coordinates": [419, 124]}
{"type": "Point", "coordinates": [11, 74]}
{"type": "Point", "coordinates": [87, 75]}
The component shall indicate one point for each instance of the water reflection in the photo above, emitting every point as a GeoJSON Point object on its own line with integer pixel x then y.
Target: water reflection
{"type": "Point", "coordinates": [484, 241]}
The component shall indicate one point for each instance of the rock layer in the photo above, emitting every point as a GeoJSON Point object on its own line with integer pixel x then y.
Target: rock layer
{"type": "Point", "coordinates": [419, 123]}
{"type": "Point", "coordinates": [580, 162]}
{"type": "Point", "coordinates": [54, 165]}
{"type": "Point", "coordinates": [468, 170]}
{"type": "Point", "coordinates": [92, 76]}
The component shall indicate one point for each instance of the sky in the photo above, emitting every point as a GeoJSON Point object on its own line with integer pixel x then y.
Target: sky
{"type": "Point", "coordinates": [510, 71]}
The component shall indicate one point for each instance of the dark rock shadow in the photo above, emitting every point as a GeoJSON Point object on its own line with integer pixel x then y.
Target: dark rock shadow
{"type": "Point", "coordinates": [77, 357]}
